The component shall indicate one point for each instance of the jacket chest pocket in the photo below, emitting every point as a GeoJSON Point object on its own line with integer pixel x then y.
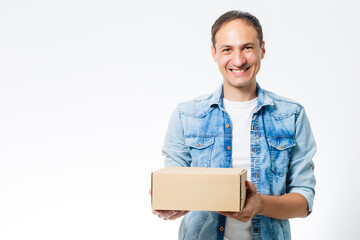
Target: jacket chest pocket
{"type": "Point", "coordinates": [280, 153]}
{"type": "Point", "coordinates": [200, 150]}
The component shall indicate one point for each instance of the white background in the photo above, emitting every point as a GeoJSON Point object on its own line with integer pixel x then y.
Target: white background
{"type": "Point", "coordinates": [86, 92]}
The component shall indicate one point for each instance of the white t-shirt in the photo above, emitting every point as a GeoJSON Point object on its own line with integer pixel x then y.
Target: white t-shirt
{"type": "Point", "coordinates": [240, 114]}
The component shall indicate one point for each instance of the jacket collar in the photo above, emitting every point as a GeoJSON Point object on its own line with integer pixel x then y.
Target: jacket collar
{"type": "Point", "coordinates": [263, 98]}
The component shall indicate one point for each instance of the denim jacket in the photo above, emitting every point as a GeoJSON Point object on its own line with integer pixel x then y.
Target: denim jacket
{"type": "Point", "coordinates": [282, 148]}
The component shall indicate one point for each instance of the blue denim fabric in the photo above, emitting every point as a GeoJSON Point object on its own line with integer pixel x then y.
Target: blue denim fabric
{"type": "Point", "coordinates": [282, 148]}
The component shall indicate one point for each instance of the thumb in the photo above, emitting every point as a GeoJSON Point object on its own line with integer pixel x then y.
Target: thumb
{"type": "Point", "coordinates": [251, 187]}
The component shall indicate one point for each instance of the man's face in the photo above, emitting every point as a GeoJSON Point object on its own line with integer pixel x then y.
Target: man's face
{"type": "Point", "coordinates": [238, 53]}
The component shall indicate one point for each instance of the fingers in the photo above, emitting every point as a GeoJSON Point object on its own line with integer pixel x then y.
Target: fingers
{"type": "Point", "coordinates": [251, 187]}
{"type": "Point", "coordinates": [167, 214]}
{"type": "Point", "coordinates": [240, 216]}
{"type": "Point", "coordinates": [230, 214]}
{"type": "Point", "coordinates": [164, 213]}
{"type": "Point", "coordinates": [243, 219]}
{"type": "Point", "coordinates": [227, 214]}
{"type": "Point", "coordinates": [177, 215]}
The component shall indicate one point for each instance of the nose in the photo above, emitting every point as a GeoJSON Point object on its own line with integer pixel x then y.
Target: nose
{"type": "Point", "coordinates": [239, 59]}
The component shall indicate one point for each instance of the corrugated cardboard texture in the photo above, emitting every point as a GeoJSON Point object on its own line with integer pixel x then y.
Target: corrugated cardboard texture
{"type": "Point", "coordinates": [200, 189]}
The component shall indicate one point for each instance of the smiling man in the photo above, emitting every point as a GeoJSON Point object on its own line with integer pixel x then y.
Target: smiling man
{"type": "Point", "coordinates": [241, 125]}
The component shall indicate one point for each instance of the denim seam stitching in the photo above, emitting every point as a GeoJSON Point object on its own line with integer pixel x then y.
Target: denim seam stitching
{"type": "Point", "coordinates": [282, 228]}
{"type": "Point", "coordinates": [181, 123]}
{"type": "Point", "coordinates": [298, 113]}
{"type": "Point", "coordinates": [208, 144]}
{"type": "Point", "coordinates": [273, 228]}
{"type": "Point", "coordinates": [207, 216]}
{"type": "Point", "coordinates": [202, 136]}
{"type": "Point", "coordinates": [187, 225]}
{"type": "Point", "coordinates": [202, 115]}
{"type": "Point", "coordinates": [210, 151]}
{"type": "Point", "coordinates": [280, 117]}
{"type": "Point", "coordinates": [280, 99]}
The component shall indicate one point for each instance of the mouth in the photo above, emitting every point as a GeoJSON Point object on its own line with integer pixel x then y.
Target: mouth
{"type": "Point", "coordinates": [238, 70]}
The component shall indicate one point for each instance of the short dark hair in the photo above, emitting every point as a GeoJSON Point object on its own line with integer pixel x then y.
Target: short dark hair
{"type": "Point", "coordinates": [235, 14]}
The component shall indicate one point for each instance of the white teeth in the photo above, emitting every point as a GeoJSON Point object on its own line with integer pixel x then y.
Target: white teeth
{"type": "Point", "coordinates": [238, 70]}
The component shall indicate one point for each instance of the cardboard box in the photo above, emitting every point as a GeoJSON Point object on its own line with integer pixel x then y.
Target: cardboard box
{"type": "Point", "coordinates": [199, 189]}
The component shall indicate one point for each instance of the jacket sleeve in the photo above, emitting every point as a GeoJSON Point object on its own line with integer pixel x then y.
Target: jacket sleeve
{"type": "Point", "coordinates": [301, 178]}
{"type": "Point", "coordinates": [176, 152]}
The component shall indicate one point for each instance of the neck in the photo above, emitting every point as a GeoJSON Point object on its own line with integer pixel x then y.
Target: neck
{"type": "Point", "coordinates": [239, 94]}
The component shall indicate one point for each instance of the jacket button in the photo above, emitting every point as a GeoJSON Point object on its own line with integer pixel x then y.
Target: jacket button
{"type": "Point", "coordinates": [221, 229]}
{"type": "Point", "coordinates": [254, 150]}
{"type": "Point", "coordinates": [227, 125]}
{"type": "Point", "coordinates": [256, 229]}
{"type": "Point", "coordinates": [228, 148]}
{"type": "Point", "coordinates": [281, 146]}
{"type": "Point", "coordinates": [199, 144]}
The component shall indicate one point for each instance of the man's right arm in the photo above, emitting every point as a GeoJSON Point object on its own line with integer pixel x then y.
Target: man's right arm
{"type": "Point", "coordinates": [175, 151]}
{"type": "Point", "coordinates": [177, 154]}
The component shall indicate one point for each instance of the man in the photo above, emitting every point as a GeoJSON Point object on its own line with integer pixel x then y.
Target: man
{"type": "Point", "coordinates": [243, 125]}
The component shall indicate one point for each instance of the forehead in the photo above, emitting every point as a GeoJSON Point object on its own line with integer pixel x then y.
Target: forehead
{"type": "Point", "coordinates": [238, 31]}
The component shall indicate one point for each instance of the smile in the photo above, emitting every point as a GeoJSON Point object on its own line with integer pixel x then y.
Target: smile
{"type": "Point", "coordinates": [239, 70]}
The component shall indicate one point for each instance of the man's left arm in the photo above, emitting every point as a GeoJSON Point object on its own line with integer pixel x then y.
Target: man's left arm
{"type": "Point", "coordinates": [301, 182]}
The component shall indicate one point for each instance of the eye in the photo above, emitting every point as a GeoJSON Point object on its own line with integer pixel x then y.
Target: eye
{"type": "Point", "coordinates": [226, 50]}
{"type": "Point", "coordinates": [248, 47]}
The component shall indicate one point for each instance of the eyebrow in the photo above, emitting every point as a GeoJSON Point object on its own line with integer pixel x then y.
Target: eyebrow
{"type": "Point", "coordinates": [230, 46]}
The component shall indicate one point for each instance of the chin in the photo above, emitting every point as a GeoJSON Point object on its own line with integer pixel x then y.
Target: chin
{"type": "Point", "coordinates": [240, 83]}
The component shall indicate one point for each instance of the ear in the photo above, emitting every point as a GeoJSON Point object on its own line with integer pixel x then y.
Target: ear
{"type": "Point", "coordinates": [213, 53]}
{"type": "Point", "coordinates": [263, 51]}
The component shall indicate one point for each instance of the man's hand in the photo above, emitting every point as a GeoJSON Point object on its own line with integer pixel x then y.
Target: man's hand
{"type": "Point", "coordinates": [253, 205]}
{"type": "Point", "coordinates": [286, 206]}
{"type": "Point", "coordinates": [168, 214]}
